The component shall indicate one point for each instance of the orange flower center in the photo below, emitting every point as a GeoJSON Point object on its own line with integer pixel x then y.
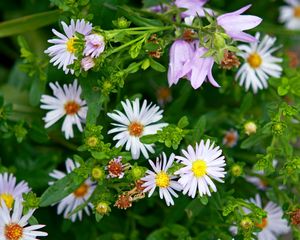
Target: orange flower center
{"type": "Point", "coordinates": [13, 231]}
{"type": "Point", "coordinates": [72, 107]}
{"type": "Point", "coordinates": [263, 224]}
{"type": "Point", "coordinates": [115, 168]}
{"type": "Point", "coordinates": [81, 191]}
{"type": "Point", "coordinates": [254, 60]}
{"type": "Point", "coordinates": [135, 129]}
{"type": "Point", "coordinates": [297, 12]}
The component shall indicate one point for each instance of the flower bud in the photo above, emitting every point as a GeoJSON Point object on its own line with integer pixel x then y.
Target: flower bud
{"type": "Point", "coordinates": [137, 172]}
{"type": "Point", "coordinates": [236, 170]}
{"type": "Point", "coordinates": [98, 173]}
{"type": "Point", "coordinates": [246, 223]}
{"type": "Point", "coordinates": [94, 45]}
{"type": "Point", "coordinates": [278, 128]}
{"type": "Point", "coordinates": [103, 208]}
{"type": "Point", "coordinates": [122, 23]}
{"type": "Point", "coordinates": [250, 128]}
{"type": "Point", "coordinates": [92, 141]}
{"type": "Point", "coordinates": [87, 63]}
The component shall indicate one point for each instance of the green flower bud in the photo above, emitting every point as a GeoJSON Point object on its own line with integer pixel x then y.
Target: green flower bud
{"type": "Point", "coordinates": [246, 223]}
{"type": "Point", "coordinates": [137, 172]}
{"type": "Point", "coordinates": [122, 23]}
{"type": "Point", "coordinates": [103, 208]}
{"type": "Point", "coordinates": [278, 128]}
{"type": "Point", "coordinates": [98, 173]}
{"type": "Point", "coordinates": [236, 170]}
{"type": "Point", "coordinates": [92, 141]}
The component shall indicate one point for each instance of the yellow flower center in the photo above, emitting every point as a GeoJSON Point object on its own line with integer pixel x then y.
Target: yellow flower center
{"type": "Point", "coordinates": [70, 45]}
{"type": "Point", "coordinates": [13, 231]}
{"type": "Point", "coordinates": [297, 12]}
{"type": "Point", "coordinates": [81, 191]}
{"type": "Point", "coordinates": [199, 168]}
{"type": "Point", "coordinates": [162, 180]}
{"type": "Point", "coordinates": [254, 60]}
{"type": "Point", "coordinates": [263, 224]}
{"type": "Point", "coordinates": [8, 199]}
{"type": "Point", "coordinates": [72, 108]}
{"type": "Point", "coordinates": [135, 129]}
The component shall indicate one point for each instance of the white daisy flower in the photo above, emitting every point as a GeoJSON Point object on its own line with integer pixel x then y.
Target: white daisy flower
{"type": "Point", "coordinates": [202, 164]}
{"type": "Point", "coordinates": [13, 227]}
{"type": "Point", "coordinates": [66, 102]}
{"type": "Point", "coordinates": [80, 196]}
{"type": "Point", "coordinates": [10, 191]}
{"type": "Point", "coordinates": [162, 179]}
{"type": "Point", "coordinates": [63, 50]}
{"type": "Point", "coordinates": [137, 122]}
{"type": "Point", "coordinates": [273, 225]}
{"type": "Point", "coordinates": [290, 14]}
{"type": "Point", "coordinates": [259, 63]}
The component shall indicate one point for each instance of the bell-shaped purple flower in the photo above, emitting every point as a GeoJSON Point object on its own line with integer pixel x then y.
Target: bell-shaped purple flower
{"type": "Point", "coordinates": [199, 68]}
{"type": "Point", "coordinates": [194, 7]}
{"type": "Point", "coordinates": [234, 24]}
{"type": "Point", "coordinates": [180, 52]}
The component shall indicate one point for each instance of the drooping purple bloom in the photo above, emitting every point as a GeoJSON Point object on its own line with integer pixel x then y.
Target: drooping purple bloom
{"type": "Point", "coordinates": [234, 24]}
{"type": "Point", "coordinates": [180, 52]}
{"type": "Point", "coordinates": [194, 7]}
{"type": "Point", "coordinates": [199, 69]}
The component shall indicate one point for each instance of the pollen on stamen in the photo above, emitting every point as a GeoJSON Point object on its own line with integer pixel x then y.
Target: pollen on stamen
{"type": "Point", "coordinates": [135, 129]}
{"type": "Point", "coordinates": [13, 231]}
{"type": "Point", "coordinates": [8, 199]}
{"type": "Point", "coordinates": [70, 45]}
{"type": "Point", "coordinates": [199, 168]}
{"type": "Point", "coordinates": [81, 191]}
{"type": "Point", "coordinates": [254, 60]}
{"type": "Point", "coordinates": [263, 224]}
{"type": "Point", "coordinates": [162, 180]}
{"type": "Point", "coordinates": [72, 107]}
{"type": "Point", "coordinates": [297, 12]}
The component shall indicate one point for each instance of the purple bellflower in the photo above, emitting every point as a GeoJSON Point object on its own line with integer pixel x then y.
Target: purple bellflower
{"type": "Point", "coordinates": [234, 24]}
{"type": "Point", "coordinates": [180, 52]}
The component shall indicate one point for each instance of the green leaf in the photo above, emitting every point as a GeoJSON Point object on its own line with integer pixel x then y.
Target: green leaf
{"type": "Point", "coordinates": [36, 90]}
{"type": "Point", "coordinates": [283, 90]}
{"type": "Point", "coordinates": [157, 66]}
{"type": "Point", "coordinates": [60, 189]}
{"type": "Point", "coordinates": [149, 139]}
{"type": "Point", "coordinates": [93, 98]}
{"type": "Point", "coordinates": [146, 64]}
{"type": "Point", "coordinates": [199, 128]}
{"type": "Point", "coordinates": [246, 103]}
{"type": "Point", "coordinates": [183, 122]}
{"type": "Point", "coordinates": [137, 19]}
{"type": "Point", "coordinates": [28, 23]}
{"type": "Point", "coordinates": [135, 49]}
{"type": "Point", "coordinates": [253, 140]}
